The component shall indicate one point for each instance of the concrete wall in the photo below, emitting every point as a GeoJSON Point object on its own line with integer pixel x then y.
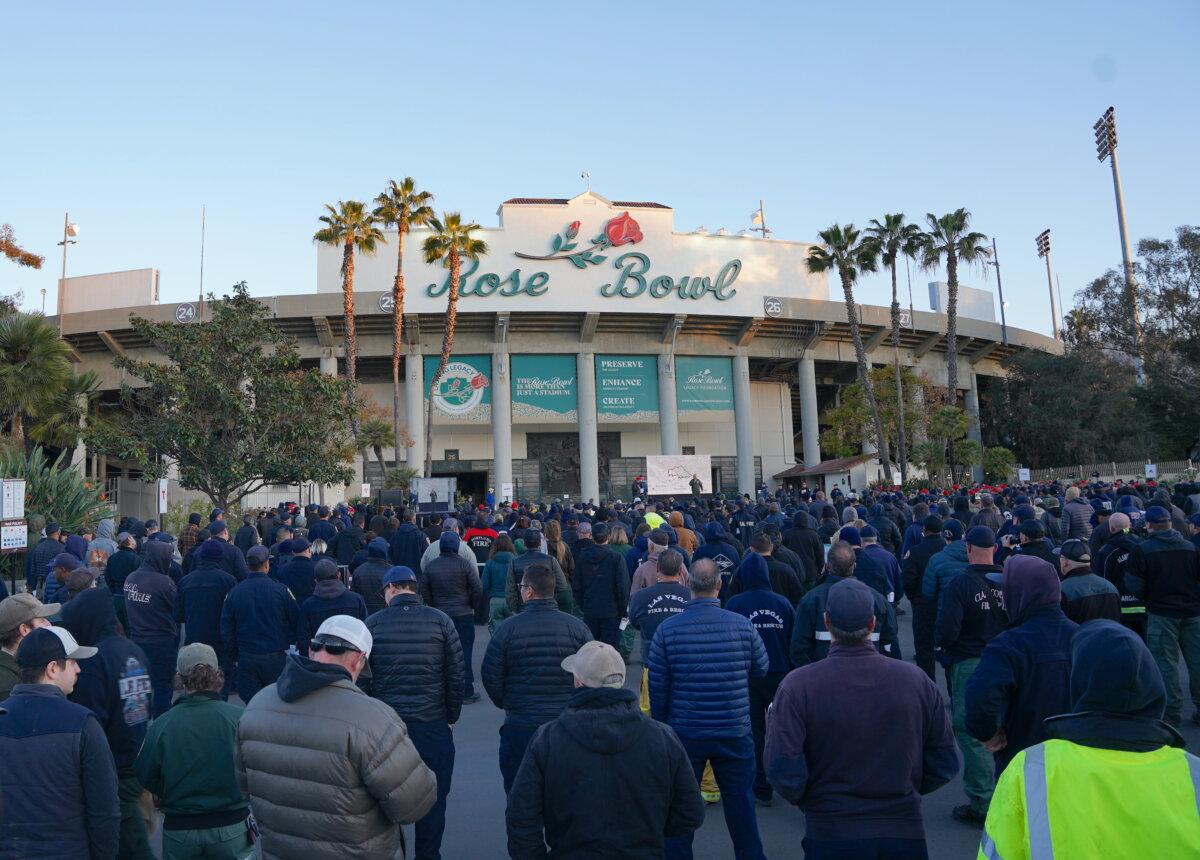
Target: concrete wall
{"type": "Point", "coordinates": [129, 289]}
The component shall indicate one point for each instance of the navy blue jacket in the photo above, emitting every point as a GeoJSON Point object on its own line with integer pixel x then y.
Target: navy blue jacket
{"type": "Point", "coordinates": [150, 595]}
{"type": "Point", "coordinates": [651, 606]}
{"type": "Point", "coordinates": [1023, 675]}
{"type": "Point", "coordinates": [700, 663]}
{"type": "Point", "coordinates": [811, 640]}
{"type": "Point", "coordinates": [600, 581]}
{"type": "Point", "coordinates": [721, 552]}
{"type": "Point", "coordinates": [259, 617]}
{"type": "Point", "coordinates": [115, 684]}
{"type": "Point", "coordinates": [300, 576]}
{"type": "Point", "coordinates": [39, 558]}
{"type": "Point", "coordinates": [772, 616]}
{"type": "Point", "coordinates": [416, 661]}
{"type": "Point", "coordinates": [233, 561]}
{"type": "Point", "coordinates": [408, 545]}
{"type": "Point", "coordinates": [198, 606]}
{"type": "Point", "coordinates": [122, 563]}
{"type": "Point", "coordinates": [322, 530]}
{"type": "Point", "coordinates": [330, 597]}
{"type": "Point", "coordinates": [58, 786]}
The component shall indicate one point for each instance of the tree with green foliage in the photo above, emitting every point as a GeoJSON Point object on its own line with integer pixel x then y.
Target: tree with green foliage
{"type": "Point", "coordinates": [946, 448]}
{"type": "Point", "coordinates": [39, 393]}
{"type": "Point", "coordinates": [848, 251]}
{"type": "Point", "coordinates": [231, 406]}
{"type": "Point", "coordinates": [850, 421]}
{"type": "Point", "coordinates": [998, 464]}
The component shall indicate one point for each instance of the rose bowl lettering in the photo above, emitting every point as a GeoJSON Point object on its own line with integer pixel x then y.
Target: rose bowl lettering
{"type": "Point", "coordinates": [633, 281]}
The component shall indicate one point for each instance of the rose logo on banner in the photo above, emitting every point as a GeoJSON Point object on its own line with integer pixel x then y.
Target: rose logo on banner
{"type": "Point", "coordinates": [459, 388]}
{"type": "Point", "coordinates": [622, 230]}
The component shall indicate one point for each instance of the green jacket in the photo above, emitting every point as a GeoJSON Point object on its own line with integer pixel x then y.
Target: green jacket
{"type": "Point", "coordinates": [187, 762]}
{"type": "Point", "coordinates": [8, 673]}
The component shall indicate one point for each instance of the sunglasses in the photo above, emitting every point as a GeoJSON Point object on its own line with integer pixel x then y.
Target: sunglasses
{"type": "Point", "coordinates": [335, 649]}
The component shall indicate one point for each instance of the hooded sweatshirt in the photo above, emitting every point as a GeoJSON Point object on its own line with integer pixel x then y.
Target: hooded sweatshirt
{"type": "Point", "coordinates": [115, 684]}
{"type": "Point", "coordinates": [105, 532]}
{"type": "Point", "coordinates": [150, 596]}
{"type": "Point", "coordinates": [770, 613]}
{"type": "Point", "coordinates": [199, 602]}
{"type": "Point", "coordinates": [687, 538]}
{"type": "Point", "coordinates": [1023, 675]}
{"type": "Point", "coordinates": [719, 550]}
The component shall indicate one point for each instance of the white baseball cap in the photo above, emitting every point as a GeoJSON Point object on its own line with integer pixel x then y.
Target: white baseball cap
{"type": "Point", "coordinates": [596, 664]}
{"type": "Point", "coordinates": [349, 630]}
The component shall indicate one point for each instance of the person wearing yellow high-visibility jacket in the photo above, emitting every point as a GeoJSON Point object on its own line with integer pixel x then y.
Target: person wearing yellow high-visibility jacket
{"type": "Point", "coordinates": [1114, 780]}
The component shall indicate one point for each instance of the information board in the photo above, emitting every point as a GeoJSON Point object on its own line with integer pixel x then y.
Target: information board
{"type": "Point", "coordinates": [671, 474]}
{"type": "Point", "coordinates": [544, 389]}
{"type": "Point", "coordinates": [627, 388]}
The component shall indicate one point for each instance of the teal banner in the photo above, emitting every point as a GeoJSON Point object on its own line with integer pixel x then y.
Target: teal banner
{"type": "Point", "coordinates": [544, 389]}
{"type": "Point", "coordinates": [703, 384]}
{"type": "Point", "coordinates": [627, 388]}
{"type": "Point", "coordinates": [463, 391]}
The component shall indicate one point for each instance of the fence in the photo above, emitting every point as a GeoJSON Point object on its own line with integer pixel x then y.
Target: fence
{"type": "Point", "coordinates": [1126, 471]}
{"type": "Point", "coordinates": [135, 498]}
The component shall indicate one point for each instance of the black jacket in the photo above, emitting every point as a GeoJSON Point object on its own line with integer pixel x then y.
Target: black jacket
{"type": "Point", "coordinates": [347, 543]}
{"type": "Point", "coordinates": [1164, 570]}
{"type": "Point", "coordinates": [300, 576]}
{"type": "Point", "coordinates": [784, 581]}
{"type": "Point", "coordinates": [889, 536]}
{"type": "Point", "coordinates": [451, 583]}
{"type": "Point", "coordinates": [522, 668]}
{"type": "Point", "coordinates": [804, 541]}
{"type": "Point", "coordinates": [408, 545]}
{"type": "Point", "coordinates": [970, 614]}
{"type": "Point", "coordinates": [914, 563]}
{"type": "Point", "coordinates": [602, 748]}
{"type": "Point", "coordinates": [416, 661]}
{"type": "Point", "coordinates": [199, 603]}
{"type": "Point", "coordinates": [367, 581]}
{"type": "Point", "coordinates": [600, 581]}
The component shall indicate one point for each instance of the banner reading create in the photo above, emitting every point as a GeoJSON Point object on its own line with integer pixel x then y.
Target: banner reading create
{"type": "Point", "coordinates": [463, 391]}
{"type": "Point", "coordinates": [543, 389]}
{"type": "Point", "coordinates": [627, 388]}
{"type": "Point", "coordinates": [704, 385]}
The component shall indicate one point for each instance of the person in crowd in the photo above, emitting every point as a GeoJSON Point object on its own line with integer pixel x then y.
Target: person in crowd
{"type": "Point", "coordinates": [988, 514]}
{"type": "Point", "coordinates": [773, 617]}
{"type": "Point", "coordinates": [600, 583]}
{"type": "Point", "coordinates": [534, 554]}
{"type": "Point", "coordinates": [371, 778]}
{"type": "Point", "coordinates": [495, 578]}
{"type": "Point", "coordinates": [480, 538]}
{"type": "Point", "coordinates": [888, 535]}
{"type": "Point", "coordinates": [1164, 570]}
{"type": "Point", "coordinates": [971, 615]}
{"type": "Point", "coordinates": [1111, 561]}
{"type": "Point", "coordinates": [451, 584]}
{"type": "Point", "coordinates": [322, 528]}
{"type": "Point", "coordinates": [366, 580]}
{"type": "Point", "coordinates": [598, 749]}
{"type": "Point", "coordinates": [300, 574]}
{"type": "Point", "coordinates": [702, 662]}
{"type": "Point", "coordinates": [417, 669]}
{"type": "Point", "coordinates": [37, 560]}
{"type": "Point", "coordinates": [868, 569]}
{"type": "Point", "coordinates": [653, 605]}
{"type": "Point", "coordinates": [1085, 596]}
{"type": "Point", "coordinates": [258, 623]}
{"type": "Point", "coordinates": [124, 562]}
{"type": "Point", "coordinates": [233, 560]}
{"type": "Point", "coordinates": [886, 560]}
{"type": "Point", "coordinates": [349, 541]}
{"type": "Point", "coordinates": [1022, 676]}
{"type": "Point", "coordinates": [522, 670]}
{"type": "Point", "coordinates": [330, 597]}
{"type": "Point", "coordinates": [1053, 521]}
{"type": "Point", "coordinates": [688, 541]}
{"type": "Point", "coordinates": [784, 580]}
{"type": "Point", "coordinates": [916, 559]}
{"type": "Point", "coordinates": [190, 560]}
{"type": "Point", "coordinates": [1032, 541]}
{"type": "Point", "coordinates": [247, 534]}
{"type": "Point", "coordinates": [449, 526]}
{"type": "Point", "coordinates": [811, 638]}
{"type": "Point", "coordinates": [821, 752]}
{"type": "Point", "coordinates": [200, 600]}
{"type": "Point", "coordinates": [150, 597]}
{"type": "Point", "coordinates": [188, 536]}
{"type": "Point", "coordinates": [943, 566]}
{"type": "Point", "coordinates": [20, 615]}
{"type": "Point", "coordinates": [716, 547]}
{"type": "Point", "coordinates": [58, 784]}
{"type": "Point", "coordinates": [115, 686]}
{"type": "Point", "coordinates": [105, 532]}
{"type": "Point", "coordinates": [60, 568]}
{"type": "Point", "coordinates": [187, 764]}
{"type": "Point", "coordinates": [1112, 779]}
{"type": "Point", "coordinates": [646, 573]}
{"type": "Point", "coordinates": [408, 543]}
{"type": "Point", "coordinates": [1076, 516]}
{"type": "Point", "coordinates": [557, 547]}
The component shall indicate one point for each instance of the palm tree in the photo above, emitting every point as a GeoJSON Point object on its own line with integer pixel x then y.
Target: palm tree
{"type": "Point", "coordinates": [452, 240]}
{"type": "Point", "coordinates": [376, 435]}
{"type": "Point", "coordinates": [950, 236]}
{"type": "Point", "coordinates": [893, 238]}
{"type": "Point", "coordinates": [850, 253]}
{"type": "Point", "coordinates": [352, 227]}
{"type": "Point", "coordinates": [403, 207]}
{"type": "Point", "coordinates": [34, 370]}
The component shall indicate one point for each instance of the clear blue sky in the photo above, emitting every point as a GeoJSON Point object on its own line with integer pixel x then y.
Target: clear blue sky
{"type": "Point", "coordinates": [831, 112]}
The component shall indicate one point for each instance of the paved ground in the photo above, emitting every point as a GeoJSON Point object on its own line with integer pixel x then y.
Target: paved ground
{"type": "Point", "coordinates": [475, 817]}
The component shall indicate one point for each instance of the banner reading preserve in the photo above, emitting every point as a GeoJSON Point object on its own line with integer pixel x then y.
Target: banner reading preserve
{"type": "Point", "coordinates": [627, 388]}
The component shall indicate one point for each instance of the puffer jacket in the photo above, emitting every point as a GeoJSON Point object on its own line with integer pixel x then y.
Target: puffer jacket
{"type": "Point", "coordinates": [330, 772]}
{"type": "Point", "coordinates": [522, 669]}
{"type": "Point", "coordinates": [452, 585]}
{"type": "Point", "coordinates": [701, 662]}
{"type": "Point", "coordinates": [942, 568]}
{"type": "Point", "coordinates": [416, 661]}
{"type": "Point", "coordinates": [1076, 520]}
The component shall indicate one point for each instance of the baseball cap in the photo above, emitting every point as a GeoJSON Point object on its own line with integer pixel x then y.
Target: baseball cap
{"type": "Point", "coordinates": [980, 536]}
{"type": "Point", "coordinates": [350, 630]}
{"type": "Point", "coordinates": [299, 545]}
{"type": "Point", "coordinates": [932, 523]}
{"type": "Point", "coordinates": [1024, 512]}
{"type": "Point", "coordinates": [852, 536]}
{"type": "Point", "coordinates": [850, 605]}
{"type": "Point", "coordinates": [952, 530]}
{"type": "Point", "coordinates": [399, 573]}
{"type": "Point", "coordinates": [47, 644]}
{"type": "Point", "coordinates": [1074, 550]}
{"type": "Point", "coordinates": [600, 532]}
{"type": "Point", "coordinates": [448, 542]}
{"type": "Point", "coordinates": [217, 527]}
{"type": "Point", "coordinates": [1158, 514]}
{"type": "Point", "coordinates": [23, 608]}
{"type": "Point", "coordinates": [256, 555]}
{"type": "Point", "coordinates": [196, 654]}
{"type": "Point", "coordinates": [596, 664]}
{"type": "Point", "coordinates": [66, 561]}
{"type": "Point", "coordinates": [869, 532]}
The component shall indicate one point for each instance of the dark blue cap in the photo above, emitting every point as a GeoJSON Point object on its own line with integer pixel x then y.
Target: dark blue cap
{"type": "Point", "coordinates": [399, 573]}
{"type": "Point", "coordinates": [980, 536]}
{"type": "Point", "coordinates": [1158, 514]}
{"type": "Point", "coordinates": [952, 529]}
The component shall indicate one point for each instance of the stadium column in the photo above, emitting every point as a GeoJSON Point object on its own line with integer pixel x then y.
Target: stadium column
{"type": "Point", "coordinates": [743, 424]}
{"type": "Point", "coordinates": [809, 421]}
{"type": "Point", "coordinates": [589, 451]}
{"type": "Point", "coordinates": [501, 419]}
{"type": "Point", "coordinates": [414, 406]}
{"type": "Point", "coordinates": [974, 432]}
{"type": "Point", "coordinates": [668, 410]}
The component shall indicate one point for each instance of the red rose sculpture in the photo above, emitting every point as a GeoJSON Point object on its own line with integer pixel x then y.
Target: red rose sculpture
{"type": "Point", "coordinates": [572, 229]}
{"type": "Point", "coordinates": [478, 381]}
{"type": "Point", "coordinates": [622, 230]}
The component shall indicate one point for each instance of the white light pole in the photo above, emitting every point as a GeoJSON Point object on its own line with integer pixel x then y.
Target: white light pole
{"type": "Point", "coordinates": [69, 230]}
{"type": "Point", "coordinates": [1043, 249]}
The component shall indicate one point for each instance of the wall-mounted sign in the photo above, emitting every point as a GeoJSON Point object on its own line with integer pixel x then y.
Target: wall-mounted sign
{"type": "Point", "coordinates": [627, 388]}
{"type": "Point", "coordinates": [704, 384]}
{"type": "Point", "coordinates": [185, 313]}
{"type": "Point", "coordinates": [12, 499]}
{"type": "Point", "coordinates": [462, 393]}
{"type": "Point", "coordinates": [1152, 471]}
{"type": "Point", "coordinates": [544, 389]}
{"type": "Point", "coordinates": [773, 306]}
{"type": "Point", "coordinates": [386, 303]}
{"type": "Point", "coordinates": [1023, 475]}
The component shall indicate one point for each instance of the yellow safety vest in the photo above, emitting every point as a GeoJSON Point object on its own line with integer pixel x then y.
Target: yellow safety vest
{"type": "Point", "coordinates": [1063, 800]}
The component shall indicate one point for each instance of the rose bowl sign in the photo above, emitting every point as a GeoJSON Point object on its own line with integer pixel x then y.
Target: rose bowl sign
{"type": "Point", "coordinates": [459, 389]}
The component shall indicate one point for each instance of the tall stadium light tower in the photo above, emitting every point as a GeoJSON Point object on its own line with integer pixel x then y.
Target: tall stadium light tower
{"type": "Point", "coordinates": [1043, 249]}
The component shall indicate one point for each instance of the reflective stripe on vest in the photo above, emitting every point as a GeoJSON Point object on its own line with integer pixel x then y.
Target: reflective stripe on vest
{"type": "Point", "coordinates": [826, 636]}
{"type": "Point", "coordinates": [987, 847]}
{"type": "Point", "coordinates": [1037, 807]}
{"type": "Point", "coordinates": [1194, 769]}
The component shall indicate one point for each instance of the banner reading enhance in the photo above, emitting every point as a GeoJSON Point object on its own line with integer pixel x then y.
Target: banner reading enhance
{"type": "Point", "coordinates": [463, 393]}
{"type": "Point", "coordinates": [704, 384]}
{"type": "Point", "coordinates": [627, 388]}
{"type": "Point", "coordinates": [544, 390]}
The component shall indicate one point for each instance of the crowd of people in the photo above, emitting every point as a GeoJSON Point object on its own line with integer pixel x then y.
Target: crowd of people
{"type": "Point", "coordinates": [770, 657]}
